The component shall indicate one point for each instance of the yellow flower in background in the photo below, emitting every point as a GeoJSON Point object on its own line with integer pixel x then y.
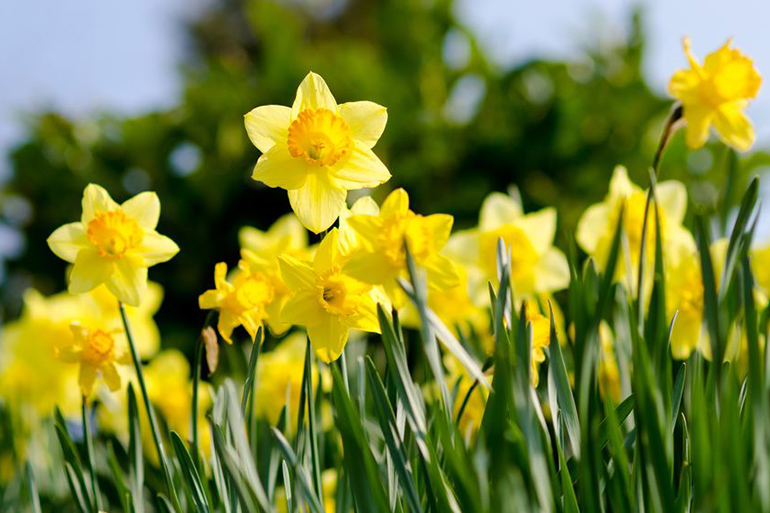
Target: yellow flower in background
{"type": "Point", "coordinates": [241, 302]}
{"type": "Point", "coordinates": [541, 337]}
{"type": "Point", "coordinates": [716, 93]}
{"type": "Point", "coordinates": [349, 241]}
{"type": "Point", "coordinates": [113, 244]}
{"type": "Point", "coordinates": [460, 382]}
{"type": "Point", "coordinates": [279, 379]}
{"type": "Point", "coordinates": [328, 485]}
{"type": "Point", "coordinates": [608, 373]}
{"type": "Point", "coordinates": [536, 266]}
{"type": "Point", "coordinates": [760, 266]}
{"type": "Point", "coordinates": [596, 227]}
{"type": "Point", "coordinates": [327, 301]}
{"type": "Point", "coordinates": [382, 258]}
{"type": "Point", "coordinates": [318, 150]}
{"type": "Point", "coordinates": [684, 297]}
{"type": "Point", "coordinates": [97, 353]}
{"type": "Point", "coordinates": [260, 251]}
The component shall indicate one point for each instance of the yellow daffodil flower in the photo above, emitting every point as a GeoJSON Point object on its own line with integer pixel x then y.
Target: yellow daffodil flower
{"type": "Point", "coordinates": [327, 301]}
{"type": "Point", "coordinates": [382, 258]}
{"type": "Point", "coordinates": [684, 297]}
{"type": "Point", "coordinates": [536, 266]}
{"type": "Point", "coordinates": [241, 302]}
{"type": "Point", "coordinates": [716, 93]}
{"type": "Point", "coordinates": [260, 251]}
{"type": "Point", "coordinates": [97, 353]}
{"type": "Point", "coordinates": [318, 150]}
{"type": "Point", "coordinates": [596, 227]}
{"type": "Point", "coordinates": [113, 244]}
{"type": "Point", "coordinates": [460, 382]}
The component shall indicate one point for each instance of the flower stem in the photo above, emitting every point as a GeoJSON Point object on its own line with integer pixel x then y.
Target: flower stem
{"type": "Point", "coordinates": [90, 456]}
{"type": "Point", "coordinates": [311, 420]}
{"type": "Point", "coordinates": [197, 364]}
{"type": "Point", "coordinates": [150, 411]}
{"type": "Point", "coordinates": [668, 131]}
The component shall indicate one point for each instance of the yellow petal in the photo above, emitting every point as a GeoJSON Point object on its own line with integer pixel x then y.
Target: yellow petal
{"type": "Point", "coordinates": [317, 203]}
{"type": "Point", "coordinates": [277, 168]}
{"type": "Point", "coordinates": [210, 299]}
{"type": "Point", "coordinates": [498, 210]}
{"type": "Point", "coordinates": [144, 208]}
{"type": "Point", "coordinates": [313, 93]}
{"type": "Point", "coordinates": [365, 205]}
{"type": "Point", "coordinates": [593, 226]}
{"type": "Point", "coordinates": [328, 254]}
{"type": "Point", "coordinates": [111, 376]}
{"type": "Point", "coordinates": [156, 248]}
{"type": "Point", "coordinates": [397, 202]}
{"type": "Point", "coordinates": [129, 281]}
{"type": "Point", "coordinates": [267, 125]}
{"type": "Point", "coordinates": [226, 324]}
{"type": "Point", "coordinates": [89, 271]}
{"type": "Point", "coordinates": [439, 226]}
{"type": "Point", "coordinates": [734, 126]}
{"type": "Point", "coordinates": [366, 318]}
{"type": "Point", "coordinates": [86, 378]}
{"type": "Point", "coordinates": [672, 199]}
{"type": "Point", "coordinates": [96, 199]}
{"type": "Point", "coordinates": [288, 228]}
{"type": "Point", "coordinates": [303, 309]}
{"type": "Point", "coordinates": [67, 241]}
{"type": "Point", "coordinates": [370, 267]}
{"type": "Point", "coordinates": [463, 247]}
{"type": "Point", "coordinates": [296, 273]}
{"type": "Point", "coordinates": [698, 124]}
{"type": "Point", "coordinates": [367, 228]}
{"type": "Point", "coordinates": [362, 169]}
{"type": "Point", "coordinates": [220, 275]}
{"type": "Point", "coordinates": [551, 272]}
{"type": "Point", "coordinates": [684, 85]}
{"type": "Point", "coordinates": [328, 338]}
{"type": "Point", "coordinates": [540, 228]}
{"type": "Point", "coordinates": [366, 121]}
{"type": "Point", "coordinates": [442, 273]}
{"type": "Point", "coordinates": [620, 185]}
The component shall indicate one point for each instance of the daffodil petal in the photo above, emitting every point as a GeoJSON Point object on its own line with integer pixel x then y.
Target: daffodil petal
{"type": "Point", "coordinates": [296, 273]}
{"type": "Point", "coordinates": [370, 267]}
{"type": "Point", "coordinates": [303, 309]}
{"type": "Point", "coordinates": [96, 199]}
{"type": "Point", "coordinates": [397, 202]}
{"type": "Point", "coordinates": [156, 248]}
{"type": "Point", "coordinates": [86, 378]}
{"type": "Point", "coordinates": [111, 376]}
{"type": "Point", "coordinates": [367, 228]}
{"type": "Point", "coordinates": [89, 271]}
{"type": "Point", "coordinates": [327, 256]}
{"type": "Point", "coordinates": [498, 210]}
{"type": "Point", "coordinates": [267, 125]}
{"type": "Point", "coordinates": [144, 208]}
{"type": "Point", "coordinates": [734, 127]}
{"type": "Point", "coordinates": [366, 318]}
{"type": "Point", "coordinates": [551, 272]}
{"type": "Point", "coordinates": [277, 168]}
{"type": "Point", "coordinates": [328, 338]}
{"type": "Point", "coordinates": [620, 185]}
{"type": "Point", "coordinates": [698, 125]}
{"type": "Point", "coordinates": [592, 227]}
{"type": "Point", "coordinates": [67, 241]}
{"type": "Point", "coordinates": [313, 93]}
{"type": "Point", "coordinates": [442, 273]}
{"type": "Point", "coordinates": [540, 228]}
{"type": "Point", "coordinates": [439, 226]}
{"type": "Point", "coordinates": [129, 281]}
{"type": "Point", "coordinates": [210, 299]}
{"type": "Point", "coordinates": [362, 169]}
{"type": "Point", "coordinates": [672, 199]}
{"type": "Point", "coordinates": [317, 203]}
{"type": "Point", "coordinates": [366, 121]}
{"type": "Point", "coordinates": [226, 324]}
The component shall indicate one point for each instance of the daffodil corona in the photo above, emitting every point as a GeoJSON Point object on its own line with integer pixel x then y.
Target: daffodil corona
{"type": "Point", "coordinates": [327, 301]}
{"type": "Point", "coordinates": [97, 353]}
{"type": "Point", "coordinates": [716, 93]}
{"type": "Point", "coordinates": [113, 244]}
{"type": "Point", "coordinates": [318, 150]}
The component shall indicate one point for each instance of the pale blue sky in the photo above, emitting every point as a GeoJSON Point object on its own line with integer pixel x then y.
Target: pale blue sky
{"type": "Point", "coordinates": [82, 56]}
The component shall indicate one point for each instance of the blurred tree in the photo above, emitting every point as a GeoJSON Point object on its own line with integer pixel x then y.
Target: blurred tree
{"type": "Point", "coordinates": [458, 128]}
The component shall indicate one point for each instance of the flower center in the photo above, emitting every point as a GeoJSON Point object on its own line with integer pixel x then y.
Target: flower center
{"type": "Point", "coordinates": [113, 233]}
{"type": "Point", "coordinates": [98, 348]}
{"type": "Point", "coordinates": [254, 292]}
{"type": "Point", "coordinates": [339, 295]}
{"type": "Point", "coordinates": [319, 136]}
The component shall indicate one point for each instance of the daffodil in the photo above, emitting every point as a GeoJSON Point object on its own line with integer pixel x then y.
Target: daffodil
{"type": "Point", "coordinates": [241, 302]}
{"type": "Point", "coordinates": [318, 150]}
{"type": "Point", "coordinates": [760, 266]}
{"type": "Point", "coordinates": [382, 257]}
{"type": "Point", "coordinates": [327, 301]}
{"type": "Point", "coordinates": [536, 266]}
{"type": "Point", "coordinates": [596, 227]}
{"type": "Point", "coordinates": [541, 337]}
{"type": "Point", "coordinates": [608, 374]}
{"type": "Point", "coordinates": [113, 244]}
{"type": "Point", "coordinates": [260, 251]}
{"type": "Point", "coordinates": [684, 297]}
{"type": "Point", "coordinates": [716, 93]}
{"type": "Point", "coordinates": [97, 353]}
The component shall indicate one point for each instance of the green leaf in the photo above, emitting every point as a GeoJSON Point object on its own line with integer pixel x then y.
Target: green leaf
{"type": "Point", "coordinates": [304, 480]}
{"type": "Point", "coordinates": [135, 453]}
{"type": "Point", "coordinates": [566, 401]}
{"type": "Point", "coordinates": [34, 498]}
{"type": "Point", "coordinates": [190, 474]}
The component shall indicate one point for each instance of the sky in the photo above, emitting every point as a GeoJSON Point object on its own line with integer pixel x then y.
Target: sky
{"type": "Point", "coordinates": [82, 56]}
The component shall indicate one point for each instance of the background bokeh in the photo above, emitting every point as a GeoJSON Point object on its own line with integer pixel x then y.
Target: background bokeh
{"type": "Point", "coordinates": [481, 95]}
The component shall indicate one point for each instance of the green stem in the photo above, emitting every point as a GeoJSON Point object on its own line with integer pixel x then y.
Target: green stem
{"type": "Point", "coordinates": [150, 410]}
{"type": "Point", "coordinates": [311, 420]}
{"type": "Point", "coordinates": [196, 383]}
{"type": "Point", "coordinates": [90, 456]}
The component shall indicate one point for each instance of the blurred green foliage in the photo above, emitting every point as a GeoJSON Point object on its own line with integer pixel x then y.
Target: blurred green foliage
{"type": "Point", "coordinates": [459, 127]}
